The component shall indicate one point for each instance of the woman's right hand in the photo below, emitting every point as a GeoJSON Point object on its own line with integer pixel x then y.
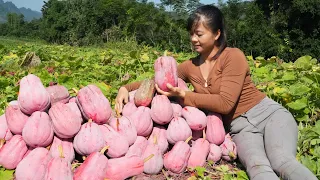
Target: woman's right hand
{"type": "Point", "coordinates": [123, 96]}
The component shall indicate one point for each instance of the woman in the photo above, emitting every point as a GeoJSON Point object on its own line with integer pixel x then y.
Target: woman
{"type": "Point", "coordinates": [265, 133]}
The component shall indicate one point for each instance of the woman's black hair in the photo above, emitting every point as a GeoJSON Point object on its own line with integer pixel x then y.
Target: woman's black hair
{"type": "Point", "coordinates": [214, 20]}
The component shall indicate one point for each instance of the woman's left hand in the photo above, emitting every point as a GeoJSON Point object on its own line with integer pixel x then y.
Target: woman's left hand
{"type": "Point", "coordinates": [174, 91]}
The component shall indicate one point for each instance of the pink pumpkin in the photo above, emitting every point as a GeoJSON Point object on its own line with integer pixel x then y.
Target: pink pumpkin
{"type": "Point", "coordinates": [178, 130]}
{"type": "Point", "coordinates": [59, 168]}
{"type": "Point", "coordinates": [67, 147]}
{"type": "Point", "coordinates": [118, 144]}
{"type": "Point", "coordinates": [199, 152]}
{"type": "Point", "coordinates": [124, 167]}
{"type": "Point", "coordinates": [16, 119]}
{"type": "Point", "coordinates": [215, 129]}
{"type": "Point", "coordinates": [129, 109]}
{"type": "Point", "coordinates": [124, 126]}
{"type": "Point", "coordinates": [176, 160]}
{"type": "Point", "coordinates": [155, 164]}
{"type": "Point", "coordinates": [66, 122]}
{"type": "Point", "coordinates": [142, 121]}
{"type": "Point", "coordinates": [160, 134]}
{"type": "Point", "coordinates": [37, 131]}
{"type": "Point", "coordinates": [196, 119]}
{"type": "Point", "coordinates": [165, 68]}
{"type": "Point", "coordinates": [183, 85]}
{"type": "Point", "coordinates": [93, 104]}
{"type": "Point", "coordinates": [12, 152]}
{"type": "Point", "coordinates": [5, 133]}
{"type": "Point", "coordinates": [58, 93]}
{"type": "Point", "coordinates": [93, 168]}
{"type": "Point", "coordinates": [138, 148]}
{"type": "Point", "coordinates": [215, 153]}
{"type": "Point", "coordinates": [33, 166]}
{"type": "Point", "coordinates": [74, 107]}
{"type": "Point", "coordinates": [15, 102]}
{"type": "Point", "coordinates": [177, 109]}
{"type": "Point", "coordinates": [131, 95]}
{"type": "Point", "coordinates": [161, 110]}
{"type": "Point", "coordinates": [73, 99]}
{"type": "Point", "coordinates": [32, 95]}
{"type": "Point", "coordinates": [229, 149]}
{"type": "Point", "coordinates": [89, 139]}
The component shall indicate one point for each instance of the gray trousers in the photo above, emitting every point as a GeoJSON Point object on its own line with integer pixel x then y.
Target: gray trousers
{"type": "Point", "coordinates": [266, 139]}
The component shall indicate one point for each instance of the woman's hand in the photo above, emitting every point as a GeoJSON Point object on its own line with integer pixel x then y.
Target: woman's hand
{"type": "Point", "coordinates": [174, 91]}
{"type": "Point", "coordinates": [123, 96]}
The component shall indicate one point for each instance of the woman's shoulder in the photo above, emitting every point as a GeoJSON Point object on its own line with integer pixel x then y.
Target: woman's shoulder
{"type": "Point", "coordinates": [233, 51]}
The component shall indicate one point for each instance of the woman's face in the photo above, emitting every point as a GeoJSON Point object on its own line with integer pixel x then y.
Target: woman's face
{"type": "Point", "coordinates": [203, 39]}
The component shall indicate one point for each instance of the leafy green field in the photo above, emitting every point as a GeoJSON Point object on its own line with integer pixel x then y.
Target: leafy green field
{"type": "Point", "coordinates": [295, 85]}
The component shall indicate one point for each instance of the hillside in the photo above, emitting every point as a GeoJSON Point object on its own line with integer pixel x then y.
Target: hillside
{"type": "Point", "coordinates": [7, 7]}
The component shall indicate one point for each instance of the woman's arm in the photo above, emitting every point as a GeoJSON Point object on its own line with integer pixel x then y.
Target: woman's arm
{"type": "Point", "coordinates": [234, 71]}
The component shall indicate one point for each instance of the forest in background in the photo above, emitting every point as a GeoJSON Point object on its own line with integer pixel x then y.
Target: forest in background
{"type": "Point", "coordinates": [287, 29]}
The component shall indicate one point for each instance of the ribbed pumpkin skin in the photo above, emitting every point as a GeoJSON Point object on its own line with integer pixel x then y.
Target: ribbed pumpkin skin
{"type": "Point", "coordinates": [142, 121]}
{"type": "Point", "coordinates": [125, 126]}
{"type": "Point", "coordinates": [32, 95]}
{"type": "Point", "coordinates": [16, 119]}
{"type": "Point", "coordinates": [13, 152]}
{"type": "Point", "coordinates": [215, 130]}
{"type": "Point", "coordinates": [138, 148]}
{"type": "Point", "coordinates": [129, 108]}
{"type": "Point", "coordinates": [89, 139]}
{"type": "Point", "coordinates": [67, 147]}
{"type": "Point", "coordinates": [161, 110]}
{"type": "Point", "coordinates": [177, 109]}
{"type": "Point", "coordinates": [5, 132]}
{"type": "Point", "coordinates": [155, 164]}
{"type": "Point", "coordinates": [33, 166]}
{"type": "Point", "coordinates": [38, 131]}
{"type": "Point", "coordinates": [58, 168]}
{"type": "Point", "coordinates": [118, 144]}
{"type": "Point", "coordinates": [58, 93]}
{"type": "Point", "coordinates": [176, 160]}
{"type": "Point", "coordinates": [199, 152]}
{"type": "Point", "coordinates": [65, 121]}
{"type": "Point", "coordinates": [196, 119]}
{"type": "Point", "coordinates": [178, 130]}
{"type": "Point", "coordinates": [93, 168]}
{"type": "Point", "coordinates": [124, 167]}
{"type": "Point", "coordinates": [165, 68]}
{"type": "Point", "coordinates": [144, 94]}
{"type": "Point", "coordinates": [93, 104]}
{"type": "Point", "coordinates": [131, 95]}
{"type": "Point", "coordinates": [183, 85]}
{"type": "Point", "coordinates": [160, 134]}
{"type": "Point", "coordinates": [229, 149]}
{"type": "Point", "coordinates": [215, 153]}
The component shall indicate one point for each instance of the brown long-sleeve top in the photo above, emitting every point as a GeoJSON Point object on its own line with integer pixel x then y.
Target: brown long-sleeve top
{"type": "Point", "coordinates": [230, 90]}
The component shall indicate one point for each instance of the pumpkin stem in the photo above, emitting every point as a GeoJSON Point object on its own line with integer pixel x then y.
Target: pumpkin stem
{"type": "Point", "coordinates": [118, 123]}
{"type": "Point", "coordinates": [48, 147]}
{"type": "Point", "coordinates": [155, 140]}
{"type": "Point", "coordinates": [232, 155]}
{"type": "Point", "coordinates": [60, 151]}
{"type": "Point", "coordinates": [75, 90]}
{"type": "Point", "coordinates": [148, 158]}
{"type": "Point", "coordinates": [104, 149]}
{"type": "Point", "coordinates": [204, 133]}
{"type": "Point", "coordinates": [189, 138]}
{"type": "Point", "coordinates": [2, 141]}
{"type": "Point", "coordinates": [117, 112]}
